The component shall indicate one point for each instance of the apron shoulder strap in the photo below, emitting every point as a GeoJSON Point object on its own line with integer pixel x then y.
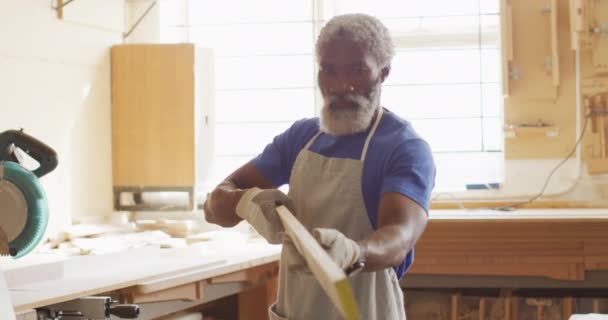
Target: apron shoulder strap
{"type": "Point", "coordinates": [371, 133]}
{"type": "Point", "coordinates": [312, 140]}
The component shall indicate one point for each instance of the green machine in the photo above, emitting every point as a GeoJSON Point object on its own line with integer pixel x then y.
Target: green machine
{"type": "Point", "coordinates": [24, 212]}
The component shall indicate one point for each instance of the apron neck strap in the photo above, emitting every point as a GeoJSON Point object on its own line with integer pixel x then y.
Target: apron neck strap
{"type": "Point", "coordinates": [312, 140]}
{"type": "Point", "coordinates": [371, 133]}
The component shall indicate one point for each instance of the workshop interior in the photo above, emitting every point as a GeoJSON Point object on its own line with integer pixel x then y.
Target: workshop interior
{"type": "Point", "coordinates": [121, 119]}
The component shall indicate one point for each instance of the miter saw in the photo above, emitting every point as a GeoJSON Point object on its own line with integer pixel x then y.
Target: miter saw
{"type": "Point", "coordinates": [24, 213]}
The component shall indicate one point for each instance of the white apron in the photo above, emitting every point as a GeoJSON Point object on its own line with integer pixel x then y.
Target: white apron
{"type": "Point", "coordinates": [327, 194]}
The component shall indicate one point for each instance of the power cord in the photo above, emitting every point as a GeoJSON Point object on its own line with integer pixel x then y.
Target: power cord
{"type": "Point", "coordinates": [543, 189]}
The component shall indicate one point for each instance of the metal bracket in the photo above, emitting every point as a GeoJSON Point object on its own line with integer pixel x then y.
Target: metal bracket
{"type": "Point", "coordinates": [548, 63]}
{"type": "Point", "coordinates": [514, 73]}
{"type": "Point", "coordinates": [601, 29]}
{"type": "Point", "coordinates": [60, 4]}
{"type": "Point", "coordinates": [137, 205]}
{"type": "Point", "coordinates": [59, 7]}
{"type": "Point", "coordinates": [546, 9]}
{"type": "Point", "coordinates": [128, 33]}
{"type": "Point", "coordinates": [90, 308]}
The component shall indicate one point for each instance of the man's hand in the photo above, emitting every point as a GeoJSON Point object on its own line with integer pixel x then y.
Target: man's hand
{"type": "Point", "coordinates": [258, 207]}
{"type": "Point", "coordinates": [219, 207]}
{"type": "Point", "coordinates": [344, 251]}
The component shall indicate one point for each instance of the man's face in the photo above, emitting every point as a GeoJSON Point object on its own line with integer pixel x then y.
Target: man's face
{"type": "Point", "coordinates": [350, 79]}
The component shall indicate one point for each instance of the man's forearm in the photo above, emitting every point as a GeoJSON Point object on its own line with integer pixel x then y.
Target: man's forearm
{"type": "Point", "coordinates": [386, 247]}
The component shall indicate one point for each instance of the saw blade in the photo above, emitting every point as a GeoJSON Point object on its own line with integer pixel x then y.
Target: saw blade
{"type": "Point", "coordinates": [14, 209]}
{"type": "Point", "coordinates": [4, 250]}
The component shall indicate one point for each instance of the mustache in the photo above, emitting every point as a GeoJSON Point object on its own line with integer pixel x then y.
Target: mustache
{"type": "Point", "coordinates": [358, 100]}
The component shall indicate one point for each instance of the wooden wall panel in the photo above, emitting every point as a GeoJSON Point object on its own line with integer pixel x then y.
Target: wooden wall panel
{"type": "Point", "coordinates": [534, 95]}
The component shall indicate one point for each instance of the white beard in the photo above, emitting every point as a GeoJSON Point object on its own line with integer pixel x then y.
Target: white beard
{"type": "Point", "coordinates": [344, 121]}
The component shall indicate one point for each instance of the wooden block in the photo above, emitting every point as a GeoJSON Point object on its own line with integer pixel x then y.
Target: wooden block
{"type": "Point", "coordinates": [454, 304]}
{"type": "Point", "coordinates": [191, 291]}
{"type": "Point", "coordinates": [508, 300]}
{"type": "Point", "coordinates": [567, 307]}
{"type": "Point", "coordinates": [531, 132]}
{"type": "Point", "coordinates": [539, 304]}
{"type": "Point", "coordinates": [506, 43]}
{"type": "Point", "coordinates": [597, 166]}
{"type": "Point", "coordinates": [331, 278]}
{"type": "Point", "coordinates": [554, 44]}
{"type": "Point", "coordinates": [600, 45]}
{"type": "Point", "coordinates": [59, 9]}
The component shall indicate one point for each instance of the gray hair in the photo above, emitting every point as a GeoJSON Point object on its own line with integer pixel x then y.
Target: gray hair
{"type": "Point", "coordinates": [362, 29]}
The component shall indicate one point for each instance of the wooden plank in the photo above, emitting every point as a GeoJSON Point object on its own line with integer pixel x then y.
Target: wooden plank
{"type": "Point", "coordinates": [508, 302]}
{"type": "Point", "coordinates": [531, 47]}
{"type": "Point", "coordinates": [331, 278]}
{"type": "Point", "coordinates": [59, 9]}
{"type": "Point", "coordinates": [580, 14]}
{"type": "Point", "coordinates": [190, 291]}
{"type": "Point", "coordinates": [554, 44]}
{"type": "Point", "coordinates": [596, 305]}
{"type": "Point", "coordinates": [531, 132]}
{"type": "Point", "coordinates": [153, 122]}
{"type": "Point", "coordinates": [600, 46]}
{"type": "Point", "coordinates": [454, 307]}
{"type": "Point", "coordinates": [506, 44]}
{"type": "Point", "coordinates": [567, 307]}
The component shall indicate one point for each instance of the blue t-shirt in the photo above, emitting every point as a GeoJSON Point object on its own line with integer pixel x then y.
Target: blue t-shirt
{"type": "Point", "coordinates": [397, 160]}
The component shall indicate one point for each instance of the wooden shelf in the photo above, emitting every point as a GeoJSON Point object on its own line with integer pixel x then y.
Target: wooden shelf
{"type": "Point", "coordinates": [530, 132]}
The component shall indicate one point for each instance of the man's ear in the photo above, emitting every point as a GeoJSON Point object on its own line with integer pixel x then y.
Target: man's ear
{"type": "Point", "coordinates": [384, 72]}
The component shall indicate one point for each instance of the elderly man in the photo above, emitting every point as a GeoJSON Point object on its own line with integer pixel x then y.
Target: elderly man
{"type": "Point", "coordinates": [360, 180]}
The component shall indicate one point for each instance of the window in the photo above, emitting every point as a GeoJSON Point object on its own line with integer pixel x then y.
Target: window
{"type": "Point", "coordinates": [445, 77]}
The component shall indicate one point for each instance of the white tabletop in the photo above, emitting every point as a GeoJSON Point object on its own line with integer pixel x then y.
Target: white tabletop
{"type": "Point", "coordinates": [89, 275]}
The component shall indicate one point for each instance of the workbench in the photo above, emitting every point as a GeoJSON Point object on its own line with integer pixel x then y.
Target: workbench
{"type": "Point", "coordinates": [160, 281]}
{"type": "Point", "coordinates": [527, 248]}
{"type": "Point", "coordinates": [559, 255]}
{"type": "Point", "coordinates": [560, 244]}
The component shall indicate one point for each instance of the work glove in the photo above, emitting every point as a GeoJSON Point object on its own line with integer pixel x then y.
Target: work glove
{"type": "Point", "coordinates": [258, 207]}
{"type": "Point", "coordinates": [344, 251]}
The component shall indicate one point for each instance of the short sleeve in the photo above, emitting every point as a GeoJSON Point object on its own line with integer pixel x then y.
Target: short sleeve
{"type": "Point", "coordinates": [411, 172]}
{"type": "Point", "coordinates": [277, 159]}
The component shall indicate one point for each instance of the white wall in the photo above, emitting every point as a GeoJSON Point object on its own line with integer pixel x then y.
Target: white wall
{"type": "Point", "coordinates": [148, 30]}
{"type": "Point", "coordinates": [55, 83]}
